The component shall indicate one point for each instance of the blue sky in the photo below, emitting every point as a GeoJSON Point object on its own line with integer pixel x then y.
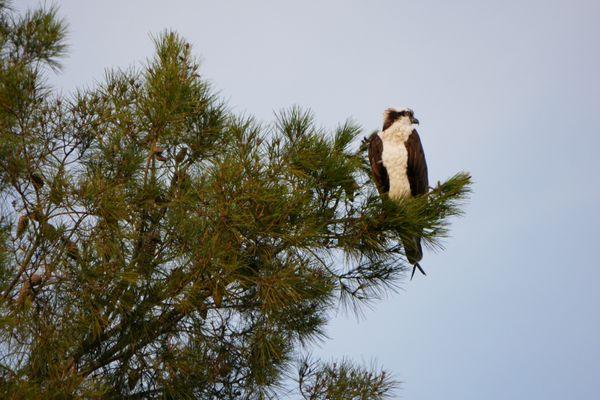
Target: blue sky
{"type": "Point", "coordinates": [509, 91]}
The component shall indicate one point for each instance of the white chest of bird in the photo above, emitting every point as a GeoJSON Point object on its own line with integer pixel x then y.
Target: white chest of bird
{"type": "Point", "coordinates": [395, 158]}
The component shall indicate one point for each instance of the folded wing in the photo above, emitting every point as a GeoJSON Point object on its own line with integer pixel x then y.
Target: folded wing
{"type": "Point", "coordinates": [380, 174]}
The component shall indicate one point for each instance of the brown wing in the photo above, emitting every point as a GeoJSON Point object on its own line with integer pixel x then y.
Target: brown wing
{"type": "Point", "coordinates": [380, 174]}
{"type": "Point", "coordinates": [416, 167]}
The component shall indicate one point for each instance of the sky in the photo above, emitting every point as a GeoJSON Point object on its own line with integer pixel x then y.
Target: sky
{"type": "Point", "coordinates": [507, 90]}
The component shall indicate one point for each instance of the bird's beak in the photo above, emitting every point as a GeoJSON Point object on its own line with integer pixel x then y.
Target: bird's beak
{"type": "Point", "coordinates": [414, 121]}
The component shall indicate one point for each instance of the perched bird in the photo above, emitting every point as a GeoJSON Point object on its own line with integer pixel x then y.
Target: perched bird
{"type": "Point", "coordinates": [399, 168]}
{"type": "Point", "coordinates": [37, 179]}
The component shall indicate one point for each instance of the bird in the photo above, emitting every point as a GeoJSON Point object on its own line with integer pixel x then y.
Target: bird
{"type": "Point", "coordinates": [399, 168]}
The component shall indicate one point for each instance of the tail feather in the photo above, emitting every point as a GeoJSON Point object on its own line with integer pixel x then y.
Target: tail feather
{"type": "Point", "coordinates": [414, 253]}
{"type": "Point", "coordinates": [415, 266]}
{"type": "Point", "coordinates": [413, 249]}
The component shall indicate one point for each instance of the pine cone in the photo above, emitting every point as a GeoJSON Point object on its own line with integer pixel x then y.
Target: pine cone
{"type": "Point", "coordinates": [22, 225]}
{"type": "Point", "coordinates": [181, 155]}
{"type": "Point", "coordinates": [37, 179]}
{"type": "Point", "coordinates": [35, 279]}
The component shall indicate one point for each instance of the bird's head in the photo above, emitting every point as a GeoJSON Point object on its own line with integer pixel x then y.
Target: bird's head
{"type": "Point", "coordinates": [405, 116]}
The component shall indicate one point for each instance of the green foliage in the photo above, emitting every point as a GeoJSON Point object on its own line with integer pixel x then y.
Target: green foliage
{"type": "Point", "coordinates": [342, 381]}
{"type": "Point", "coordinates": [154, 245]}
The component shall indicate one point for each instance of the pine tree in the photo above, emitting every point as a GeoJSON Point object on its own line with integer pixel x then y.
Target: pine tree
{"type": "Point", "coordinates": [155, 245]}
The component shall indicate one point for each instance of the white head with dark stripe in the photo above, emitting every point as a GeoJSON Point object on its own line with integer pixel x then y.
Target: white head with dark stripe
{"type": "Point", "coordinates": [403, 118]}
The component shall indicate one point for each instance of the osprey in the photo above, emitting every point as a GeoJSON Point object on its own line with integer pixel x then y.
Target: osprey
{"type": "Point", "coordinates": [399, 168]}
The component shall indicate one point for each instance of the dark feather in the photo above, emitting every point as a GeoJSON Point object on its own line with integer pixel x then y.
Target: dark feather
{"type": "Point", "coordinates": [416, 168]}
{"type": "Point", "coordinates": [380, 174]}
{"type": "Point", "coordinates": [412, 249]}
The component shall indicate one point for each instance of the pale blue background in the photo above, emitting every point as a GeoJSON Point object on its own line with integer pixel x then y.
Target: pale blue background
{"type": "Point", "coordinates": [508, 90]}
